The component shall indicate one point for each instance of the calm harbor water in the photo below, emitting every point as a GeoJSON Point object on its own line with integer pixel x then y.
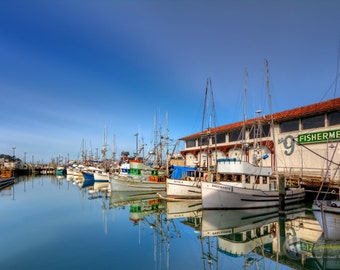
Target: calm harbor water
{"type": "Point", "coordinates": [50, 223]}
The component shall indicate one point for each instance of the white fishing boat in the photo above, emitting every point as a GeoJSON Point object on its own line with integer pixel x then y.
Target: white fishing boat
{"type": "Point", "coordinates": [118, 183]}
{"type": "Point", "coordinates": [254, 188]}
{"type": "Point", "coordinates": [326, 210]}
{"type": "Point", "coordinates": [185, 182]}
{"type": "Point", "coordinates": [327, 213]}
{"type": "Point", "coordinates": [101, 180]}
{"type": "Point", "coordinates": [249, 184]}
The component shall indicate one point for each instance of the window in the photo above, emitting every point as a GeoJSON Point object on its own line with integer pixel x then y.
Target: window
{"type": "Point", "coordinates": [203, 141]}
{"type": "Point", "coordinates": [220, 138]}
{"type": "Point", "coordinates": [333, 118]}
{"type": "Point", "coordinates": [264, 180]}
{"type": "Point", "coordinates": [265, 230]}
{"type": "Point", "coordinates": [266, 131]}
{"type": "Point", "coordinates": [235, 135]}
{"type": "Point", "coordinates": [258, 232]}
{"type": "Point", "coordinates": [190, 143]}
{"type": "Point", "coordinates": [315, 121]}
{"type": "Point", "coordinates": [292, 125]}
{"type": "Point", "coordinates": [259, 132]}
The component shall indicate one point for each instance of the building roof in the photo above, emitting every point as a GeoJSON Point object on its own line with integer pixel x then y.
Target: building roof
{"type": "Point", "coordinates": [309, 110]}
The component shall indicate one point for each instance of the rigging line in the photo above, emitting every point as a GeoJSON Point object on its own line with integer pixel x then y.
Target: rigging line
{"type": "Point", "coordinates": [299, 144]}
{"type": "Point", "coordinates": [327, 172]}
{"type": "Point", "coordinates": [337, 71]}
{"type": "Point", "coordinates": [329, 88]}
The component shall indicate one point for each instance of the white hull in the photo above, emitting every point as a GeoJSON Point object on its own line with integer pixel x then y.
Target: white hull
{"type": "Point", "coordinates": [101, 181]}
{"type": "Point", "coordinates": [123, 184]}
{"type": "Point", "coordinates": [226, 196]}
{"type": "Point", "coordinates": [328, 217]}
{"type": "Point", "coordinates": [183, 188]}
{"type": "Point", "coordinates": [101, 177]}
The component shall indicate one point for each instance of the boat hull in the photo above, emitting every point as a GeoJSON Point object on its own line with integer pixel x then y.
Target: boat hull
{"type": "Point", "coordinates": [88, 179]}
{"type": "Point", "coordinates": [125, 184]}
{"type": "Point", "coordinates": [101, 181]}
{"type": "Point", "coordinates": [183, 188]}
{"type": "Point", "coordinates": [328, 216]}
{"type": "Point", "coordinates": [224, 196]}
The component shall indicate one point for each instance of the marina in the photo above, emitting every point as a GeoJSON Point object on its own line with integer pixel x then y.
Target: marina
{"type": "Point", "coordinates": [50, 222]}
{"type": "Point", "coordinates": [146, 135]}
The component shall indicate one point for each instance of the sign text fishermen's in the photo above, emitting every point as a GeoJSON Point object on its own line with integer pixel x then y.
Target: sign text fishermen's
{"type": "Point", "coordinates": [330, 135]}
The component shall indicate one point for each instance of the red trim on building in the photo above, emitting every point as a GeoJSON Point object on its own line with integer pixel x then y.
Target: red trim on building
{"type": "Point", "coordinates": [317, 108]}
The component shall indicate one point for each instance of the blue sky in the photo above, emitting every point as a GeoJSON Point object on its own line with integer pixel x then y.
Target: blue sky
{"type": "Point", "coordinates": [68, 69]}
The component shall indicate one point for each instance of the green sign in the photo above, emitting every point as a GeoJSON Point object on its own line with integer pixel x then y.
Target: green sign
{"type": "Point", "coordinates": [322, 136]}
{"type": "Point", "coordinates": [306, 246]}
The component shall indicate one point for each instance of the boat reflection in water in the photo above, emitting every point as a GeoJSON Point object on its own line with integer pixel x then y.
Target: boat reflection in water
{"type": "Point", "coordinates": [158, 234]}
{"type": "Point", "coordinates": [128, 198]}
{"type": "Point", "coordinates": [262, 236]}
{"type": "Point", "coordinates": [327, 249]}
{"type": "Point", "coordinates": [254, 237]}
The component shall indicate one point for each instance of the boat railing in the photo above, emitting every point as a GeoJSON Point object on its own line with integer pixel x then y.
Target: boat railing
{"type": "Point", "coordinates": [317, 174]}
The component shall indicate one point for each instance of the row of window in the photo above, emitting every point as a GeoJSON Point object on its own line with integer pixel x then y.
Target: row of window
{"type": "Point", "coordinates": [236, 135]}
{"type": "Point", "coordinates": [315, 121]}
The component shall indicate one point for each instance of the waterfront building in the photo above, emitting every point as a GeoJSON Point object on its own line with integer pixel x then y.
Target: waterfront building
{"type": "Point", "coordinates": [305, 142]}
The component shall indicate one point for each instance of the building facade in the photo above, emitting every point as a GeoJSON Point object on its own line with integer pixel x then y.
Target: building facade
{"type": "Point", "coordinates": [301, 142]}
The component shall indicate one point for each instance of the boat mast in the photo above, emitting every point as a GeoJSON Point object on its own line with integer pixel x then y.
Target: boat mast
{"type": "Point", "coordinates": [244, 145]}
{"type": "Point", "coordinates": [104, 148]}
{"type": "Point", "coordinates": [202, 129]}
{"type": "Point", "coordinates": [271, 119]}
{"type": "Point", "coordinates": [213, 112]}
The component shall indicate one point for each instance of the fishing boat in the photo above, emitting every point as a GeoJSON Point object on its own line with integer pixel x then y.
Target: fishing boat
{"type": "Point", "coordinates": [135, 175]}
{"type": "Point", "coordinates": [326, 210]}
{"type": "Point", "coordinates": [250, 187]}
{"type": "Point", "coordinates": [247, 182]}
{"type": "Point", "coordinates": [88, 176]}
{"type": "Point", "coordinates": [6, 177]}
{"type": "Point", "coordinates": [327, 213]}
{"type": "Point", "coordinates": [126, 184]}
{"type": "Point", "coordinates": [60, 171]}
{"type": "Point", "coordinates": [185, 182]}
{"type": "Point", "coordinates": [101, 180]}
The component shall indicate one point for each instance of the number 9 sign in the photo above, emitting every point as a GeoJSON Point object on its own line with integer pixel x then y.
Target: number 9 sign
{"type": "Point", "coordinates": [288, 144]}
